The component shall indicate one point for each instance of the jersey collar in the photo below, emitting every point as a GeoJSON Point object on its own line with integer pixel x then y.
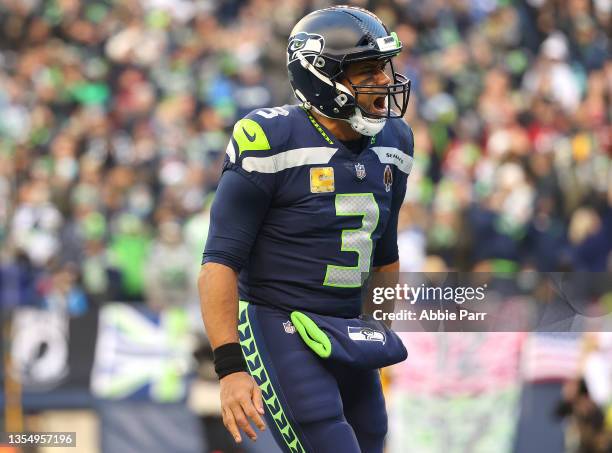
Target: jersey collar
{"type": "Point", "coordinates": [332, 140]}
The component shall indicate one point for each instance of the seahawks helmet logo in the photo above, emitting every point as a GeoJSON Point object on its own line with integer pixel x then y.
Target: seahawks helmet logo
{"type": "Point", "coordinates": [366, 334]}
{"type": "Point", "coordinates": [307, 44]}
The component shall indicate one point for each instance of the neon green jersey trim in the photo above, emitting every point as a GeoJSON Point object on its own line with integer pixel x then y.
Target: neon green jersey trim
{"type": "Point", "coordinates": [317, 126]}
{"type": "Point", "coordinates": [313, 336]}
{"type": "Point", "coordinates": [249, 136]}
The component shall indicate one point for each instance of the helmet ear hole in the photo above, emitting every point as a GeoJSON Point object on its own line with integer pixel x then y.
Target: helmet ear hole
{"type": "Point", "coordinates": [319, 62]}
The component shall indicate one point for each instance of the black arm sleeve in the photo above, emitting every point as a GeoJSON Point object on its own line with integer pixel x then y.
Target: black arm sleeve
{"type": "Point", "coordinates": [235, 218]}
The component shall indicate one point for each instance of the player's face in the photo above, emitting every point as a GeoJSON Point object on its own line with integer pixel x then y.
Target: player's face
{"type": "Point", "coordinates": [371, 73]}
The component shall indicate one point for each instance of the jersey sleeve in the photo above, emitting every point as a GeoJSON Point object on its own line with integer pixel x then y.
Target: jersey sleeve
{"type": "Point", "coordinates": [235, 219]}
{"type": "Point", "coordinates": [247, 186]}
{"type": "Point", "coordinates": [256, 141]}
{"type": "Point", "coordinates": [386, 251]}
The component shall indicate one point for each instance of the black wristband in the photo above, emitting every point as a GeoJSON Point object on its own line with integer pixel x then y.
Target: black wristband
{"type": "Point", "coordinates": [229, 359]}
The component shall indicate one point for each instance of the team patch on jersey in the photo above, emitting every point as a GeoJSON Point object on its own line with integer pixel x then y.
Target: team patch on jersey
{"type": "Point", "coordinates": [322, 180]}
{"type": "Point", "coordinates": [365, 334]}
{"type": "Point", "coordinates": [249, 136]}
{"type": "Point", "coordinates": [388, 178]}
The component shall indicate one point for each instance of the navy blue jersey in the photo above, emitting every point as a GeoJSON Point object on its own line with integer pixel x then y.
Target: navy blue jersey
{"type": "Point", "coordinates": [302, 217]}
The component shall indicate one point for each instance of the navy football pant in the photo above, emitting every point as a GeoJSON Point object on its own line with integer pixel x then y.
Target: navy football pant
{"type": "Point", "coordinates": [311, 405]}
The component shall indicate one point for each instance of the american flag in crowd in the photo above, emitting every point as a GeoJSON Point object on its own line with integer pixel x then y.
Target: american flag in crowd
{"type": "Point", "coordinates": [551, 356]}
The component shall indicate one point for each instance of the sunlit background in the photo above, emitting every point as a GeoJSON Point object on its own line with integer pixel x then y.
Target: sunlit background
{"type": "Point", "coordinates": [114, 118]}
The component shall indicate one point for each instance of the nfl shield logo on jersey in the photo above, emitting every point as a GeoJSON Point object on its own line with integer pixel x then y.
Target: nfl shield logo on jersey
{"type": "Point", "coordinates": [360, 171]}
{"type": "Point", "coordinates": [289, 327]}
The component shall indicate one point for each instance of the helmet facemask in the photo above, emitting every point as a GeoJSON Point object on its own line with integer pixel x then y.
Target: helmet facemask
{"type": "Point", "coordinates": [394, 95]}
{"type": "Point", "coordinates": [391, 101]}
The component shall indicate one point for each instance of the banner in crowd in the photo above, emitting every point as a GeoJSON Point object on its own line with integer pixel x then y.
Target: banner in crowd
{"type": "Point", "coordinates": [456, 392]}
{"type": "Point", "coordinates": [551, 356]}
{"type": "Point", "coordinates": [141, 354]}
{"type": "Point", "coordinates": [51, 355]}
{"type": "Point", "coordinates": [63, 359]}
{"type": "Point", "coordinates": [453, 424]}
{"type": "Point", "coordinates": [459, 363]}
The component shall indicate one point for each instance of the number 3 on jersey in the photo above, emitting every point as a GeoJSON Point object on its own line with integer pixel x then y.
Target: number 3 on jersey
{"type": "Point", "coordinates": [354, 240]}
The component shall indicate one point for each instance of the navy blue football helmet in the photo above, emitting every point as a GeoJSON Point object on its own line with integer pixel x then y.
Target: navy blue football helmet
{"type": "Point", "coordinates": [321, 47]}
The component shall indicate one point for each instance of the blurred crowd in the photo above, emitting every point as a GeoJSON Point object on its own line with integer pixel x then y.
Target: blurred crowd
{"type": "Point", "coordinates": [115, 115]}
{"type": "Point", "coordinates": [513, 140]}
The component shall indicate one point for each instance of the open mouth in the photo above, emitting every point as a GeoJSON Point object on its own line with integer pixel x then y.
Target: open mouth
{"type": "Point", "coordinates": [380, 104]}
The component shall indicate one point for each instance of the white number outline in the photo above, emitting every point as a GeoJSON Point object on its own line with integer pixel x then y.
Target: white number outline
{"type": "Point", "coordinates": [273, 112]}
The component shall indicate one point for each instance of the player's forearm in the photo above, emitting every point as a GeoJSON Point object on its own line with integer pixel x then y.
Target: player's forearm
{"type": "Point", "coordinates": [393, 267]}
{"type": "Point", "coordinates": [390, 278]}
{"type": "Point", "coordinates": [218, 288]}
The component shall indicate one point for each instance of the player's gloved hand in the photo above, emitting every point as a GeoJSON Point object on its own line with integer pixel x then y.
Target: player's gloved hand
{"type": "Point", "coordinates": [240, 401]}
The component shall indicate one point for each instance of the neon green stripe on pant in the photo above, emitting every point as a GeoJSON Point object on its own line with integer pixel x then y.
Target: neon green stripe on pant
{"type": "Point", "coordinates": [261, 376]}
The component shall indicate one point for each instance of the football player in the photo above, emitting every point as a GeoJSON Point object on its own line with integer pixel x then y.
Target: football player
{"type": "Point", "coordinates": [307, 206]}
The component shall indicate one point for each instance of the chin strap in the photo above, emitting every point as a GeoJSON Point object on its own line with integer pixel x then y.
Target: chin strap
{"type": "Point", "coordinates": [364, 125]}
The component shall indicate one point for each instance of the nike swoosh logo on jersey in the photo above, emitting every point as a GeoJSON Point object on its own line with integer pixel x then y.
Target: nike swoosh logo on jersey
{"type": "Point", "coordinates": [249, 136]}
